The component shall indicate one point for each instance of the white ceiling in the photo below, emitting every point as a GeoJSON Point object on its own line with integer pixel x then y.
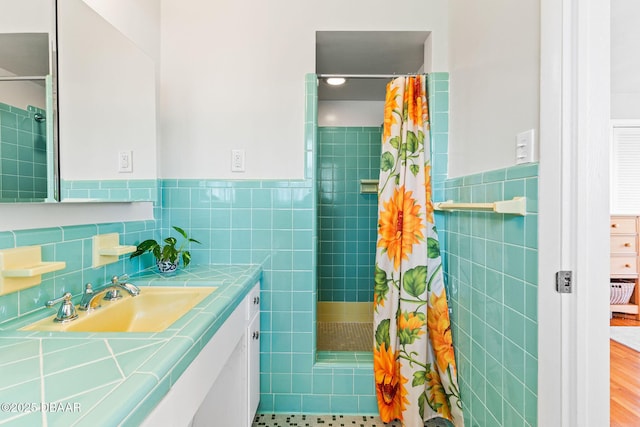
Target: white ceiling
{"type": "Point", "coordinates": [366, 52]}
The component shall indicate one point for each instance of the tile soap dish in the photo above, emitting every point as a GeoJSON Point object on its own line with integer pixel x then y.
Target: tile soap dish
{"type": "Point", "coordinates": [22, 268]}
{"type": "Point", "coordinates": [107, 249]}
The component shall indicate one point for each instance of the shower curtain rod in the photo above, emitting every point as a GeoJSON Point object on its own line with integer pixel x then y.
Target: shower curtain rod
{"type": "Point", "coordinates": [366, 76]}
{"type": "Point", "coordinates": [16, 78]}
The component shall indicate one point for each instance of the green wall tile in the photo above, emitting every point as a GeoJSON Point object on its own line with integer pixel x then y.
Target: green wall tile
{"type": "Point", "coordinates": [502, 250]}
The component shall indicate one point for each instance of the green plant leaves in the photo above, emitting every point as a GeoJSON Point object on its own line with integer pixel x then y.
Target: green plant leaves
{"type": "Point", "coordinates": [409, 335]}
{"type": "Point", "coordinates": [433, 248]}
{"type": "Point", "coordinates": [381, 285]}
{"type": "Point", "coordinates": [412, 142]}
{"type": "Point", "coordinates": [421, 401]}
{"type": "Point", "coordinates": [181, 231]}
{"type": "Point", "coordinates": [380, 280]}
{"type": "Point", "coordinates": [167, 252]}
{"type": "Point", "coordinates": [419, 378]}
{"type": "Point", "coordinates": [402, 152]}
{"type": "Point", "coordinates": [157, 252]}
{"type": "Point", "coordinates": [186, 258]}
{"type": "Point", "coordinates": [146, 246]}
{"type": "Point", "coordinates": [414, 281]}
{"type": "Point", "coordinates": [382, 334]}
{"type": "Point", "coordinates": [387, 161]}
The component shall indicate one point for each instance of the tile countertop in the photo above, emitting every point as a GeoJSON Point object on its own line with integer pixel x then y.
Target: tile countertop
{"type": "Point", "coordinates": [108, 379]}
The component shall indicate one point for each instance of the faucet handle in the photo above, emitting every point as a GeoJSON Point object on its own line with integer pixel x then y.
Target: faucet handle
{"type": "Point", "coordinates": [53, 302]}
{"type": "Point", "coordinates": [67, 311]}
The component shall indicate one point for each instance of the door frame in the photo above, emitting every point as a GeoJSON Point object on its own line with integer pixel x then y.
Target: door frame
{"type": "Point", "coordinates": [573, 232]}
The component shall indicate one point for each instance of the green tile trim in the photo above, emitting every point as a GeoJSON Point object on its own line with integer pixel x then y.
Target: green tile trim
{"type": "Point", "coordinates": [110, 190]}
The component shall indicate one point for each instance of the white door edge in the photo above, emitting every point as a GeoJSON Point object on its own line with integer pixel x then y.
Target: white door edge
{"type": "Point", "coordinates": [573, 331]}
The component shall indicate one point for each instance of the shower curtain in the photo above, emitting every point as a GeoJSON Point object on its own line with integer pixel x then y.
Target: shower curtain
{"type": "Point", "coordinates": [414, 364]}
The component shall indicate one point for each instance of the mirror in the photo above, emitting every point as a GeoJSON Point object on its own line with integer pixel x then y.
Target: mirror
{"type": "Point", "coordinates": [106, 109]}
{"type": "Point", "coordinates": [28, 166]}
{"type": "Point", "coordinates": [98, 110]}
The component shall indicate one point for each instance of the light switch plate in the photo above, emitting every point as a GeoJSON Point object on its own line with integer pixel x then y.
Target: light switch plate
{"type": "Point", "coordinates": [237, 160]}
{"type": "Point", "coordinates": [525, 147]}
{"type": "Point", "coordinates": [125, 161]}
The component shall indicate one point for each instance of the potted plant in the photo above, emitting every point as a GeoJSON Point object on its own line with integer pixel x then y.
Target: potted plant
{"type": "Point", "coordinates": [167, 255]}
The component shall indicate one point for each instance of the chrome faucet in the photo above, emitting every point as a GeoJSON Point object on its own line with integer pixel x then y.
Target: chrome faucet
{"type": "Point", "coordinates": [123, 283]}
{"type": "Point", "coordinates": [111, 292]}
{"type": "Point", "coordinates": [120, 283]}
{"type": "Point", "coordinates": [90, 299]}
{"type": "Point", "coordinates": [66, 312]}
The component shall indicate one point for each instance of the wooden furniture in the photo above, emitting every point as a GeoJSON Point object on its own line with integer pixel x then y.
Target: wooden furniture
{"type": "Point", "coordinates": [624, 258]}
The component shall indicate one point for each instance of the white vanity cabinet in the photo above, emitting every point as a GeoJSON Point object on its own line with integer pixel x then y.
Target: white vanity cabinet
{"type": "Point", "coordinates": [221, 387]}
{"type": "Point", "coordinates": [253, 352]}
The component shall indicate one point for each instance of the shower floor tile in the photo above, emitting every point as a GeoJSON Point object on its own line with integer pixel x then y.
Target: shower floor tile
{"type": "Point", "coordinates": [343, 336]}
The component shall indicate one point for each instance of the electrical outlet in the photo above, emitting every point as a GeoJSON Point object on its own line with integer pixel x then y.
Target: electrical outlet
{"type": "Point", "coordinates": [237, 160]}
{"type": "Point", "coordinates": [525, 147]}
{"type": "Point", "coordinates": [125, 161]}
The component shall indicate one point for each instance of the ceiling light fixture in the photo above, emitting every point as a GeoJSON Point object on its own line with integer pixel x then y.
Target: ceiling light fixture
{"type": "Point", "coordinates": [336, 81]}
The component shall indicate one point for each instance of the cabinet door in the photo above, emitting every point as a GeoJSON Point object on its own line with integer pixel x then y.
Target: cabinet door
{"type": "Point", "coordinates": [223, 405]}
{"type": "Point", "coordinates": [253, 365]}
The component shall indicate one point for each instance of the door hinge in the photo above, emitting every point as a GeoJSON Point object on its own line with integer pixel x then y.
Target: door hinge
{"type": "Point", "coordinates": [564, 282]}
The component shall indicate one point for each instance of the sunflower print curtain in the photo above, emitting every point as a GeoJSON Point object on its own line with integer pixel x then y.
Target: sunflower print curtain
{"type": "Point", "coordinates": [414, 364]}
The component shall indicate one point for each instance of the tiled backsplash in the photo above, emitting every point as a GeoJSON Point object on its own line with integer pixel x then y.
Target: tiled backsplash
{"type": "Point", "coordinates": [73, 245]}
{"type": "Point", "coordinates": [347, 218]}
{"type": "Point", "coordinates": [23, 156]}
{"type": "Point", "coordinates": [492, 270]}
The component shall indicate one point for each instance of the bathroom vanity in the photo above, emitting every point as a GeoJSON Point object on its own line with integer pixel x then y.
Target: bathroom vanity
{"type": "Point", "coordinates": [221, 385]}
{"type": "Point", "coordinates": [202, 369]}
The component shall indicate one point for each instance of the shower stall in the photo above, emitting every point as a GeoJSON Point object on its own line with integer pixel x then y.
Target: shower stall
{"type": "Point", "coordinates": [348, 149]}
{"type": "Point", "coordinates": [347, 230]}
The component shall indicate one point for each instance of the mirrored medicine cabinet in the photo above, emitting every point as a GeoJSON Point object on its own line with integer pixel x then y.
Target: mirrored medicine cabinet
{"type": "Point", "coordinates": [75, 93]}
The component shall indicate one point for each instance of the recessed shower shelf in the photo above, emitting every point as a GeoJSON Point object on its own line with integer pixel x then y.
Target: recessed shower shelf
{"type": "Point", "coordinates": [369, 186]}
{"type": "Point", "coordinates": [515, 206]}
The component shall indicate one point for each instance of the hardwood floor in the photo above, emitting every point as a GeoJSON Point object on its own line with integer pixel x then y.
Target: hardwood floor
{"type": "Point", "coordinates": [625, 380]}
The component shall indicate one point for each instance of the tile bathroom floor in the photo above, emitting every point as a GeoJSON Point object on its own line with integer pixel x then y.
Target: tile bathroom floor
{"type": "Point", "coordinates": [301, 420]}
